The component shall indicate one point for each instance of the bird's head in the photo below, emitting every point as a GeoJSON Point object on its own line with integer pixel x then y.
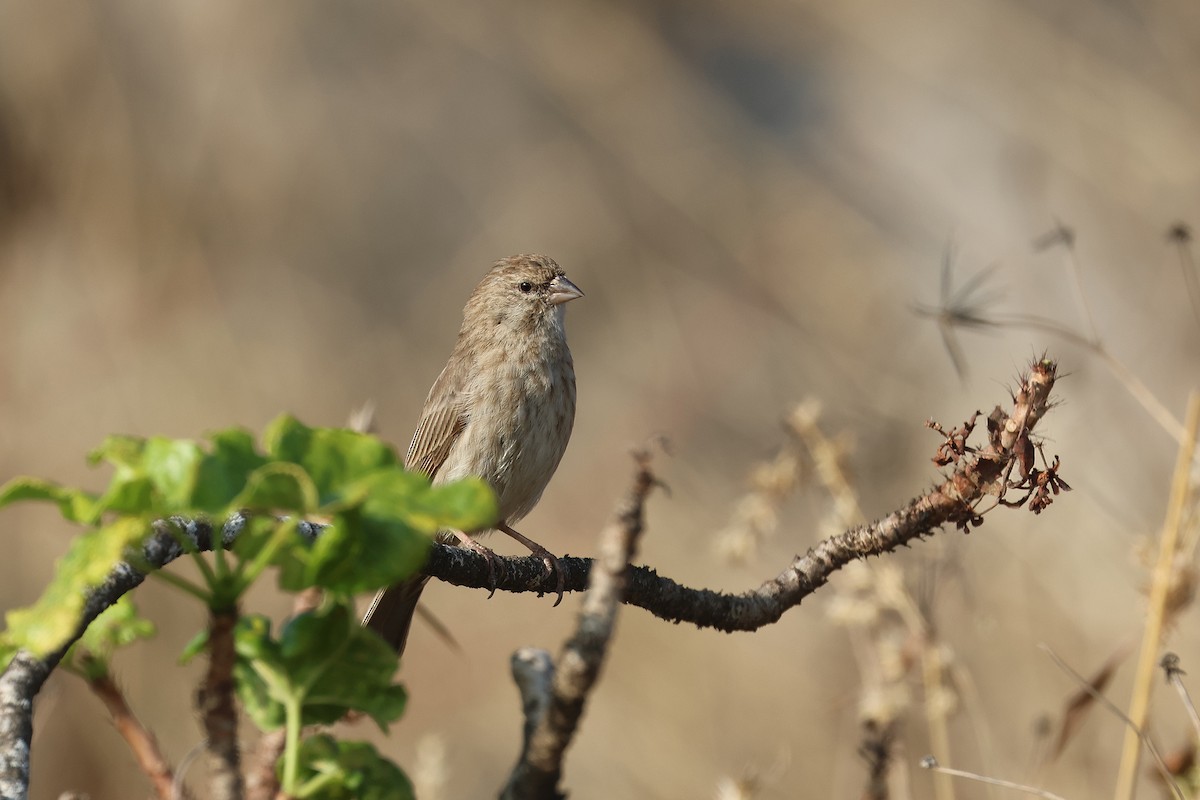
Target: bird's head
{"type": "Point", "coordinates": [521, 294]}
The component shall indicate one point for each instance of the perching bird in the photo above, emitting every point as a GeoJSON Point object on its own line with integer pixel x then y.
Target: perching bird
{"type": "Point", "coordinates": [502, 410]}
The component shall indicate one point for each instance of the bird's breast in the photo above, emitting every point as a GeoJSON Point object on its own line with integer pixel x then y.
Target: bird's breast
{"type": "Point", "coordinates": [519, 422]}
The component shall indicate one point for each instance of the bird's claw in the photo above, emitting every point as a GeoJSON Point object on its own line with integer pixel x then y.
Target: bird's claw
{"type": "Point", "coordinates": [554, 567]}
{"type": "Point", "coordinates": [467, 543]}
{"type": "Point", "coordinates": [490, 557]}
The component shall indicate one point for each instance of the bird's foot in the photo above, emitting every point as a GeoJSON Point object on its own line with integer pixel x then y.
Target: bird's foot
{"type": "Point", "coordinates": [467, 542]}
{"type": "Point", "coordinates": [553, 565]}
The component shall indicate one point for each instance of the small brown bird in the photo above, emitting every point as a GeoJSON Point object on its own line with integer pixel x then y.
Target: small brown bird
{"type": "Point", "coordinates": [502, 410]}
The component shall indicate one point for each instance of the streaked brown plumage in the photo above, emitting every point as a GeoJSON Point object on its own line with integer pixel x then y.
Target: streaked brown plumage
{"type": "Point", "coordinates": [501, 410]}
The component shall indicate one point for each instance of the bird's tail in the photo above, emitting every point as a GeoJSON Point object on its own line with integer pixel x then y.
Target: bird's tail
{"type": "Point", "coordinates": [391, 612]}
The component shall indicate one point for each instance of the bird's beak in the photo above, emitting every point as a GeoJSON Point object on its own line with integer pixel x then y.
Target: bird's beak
{"type": "Point", "coordinates": [562, 290]}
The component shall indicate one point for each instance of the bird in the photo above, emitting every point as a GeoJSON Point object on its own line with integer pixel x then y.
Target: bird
{"type": "Point", "coordinates": [502, 410]}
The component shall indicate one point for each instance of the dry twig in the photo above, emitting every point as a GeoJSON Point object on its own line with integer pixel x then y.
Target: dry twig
{"type": "Point", "coordinates": [553, 694]}
{"type": "Point", "coordinates": [140, 740]}
{"type": "Point", "coordinates": [1108, 704]}
{"type": "Point", "coordinates": [929, 762]}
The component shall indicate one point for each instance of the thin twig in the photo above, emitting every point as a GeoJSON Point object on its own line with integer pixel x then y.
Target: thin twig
{"type": "Point", "coordinates": [1104, 701]}
{"type": "Point", "coordinates": [930, 763]}
{"type": "Point", "coordinates": [140, 740]}
{"type": "Point", "coordinates": [1170, 665]}
{"type": "Point", "coordinates": [178, 789]}
{"type": "Point", "coordinates": [1076, 271]}
{"type": "Point", "coordinates": [1133, 384]}
{"type": "Point", "coordinates": [1181, 236]}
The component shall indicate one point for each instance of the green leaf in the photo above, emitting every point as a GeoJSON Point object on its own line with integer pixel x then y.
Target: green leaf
{"type": "Point", "coordinates": [75, 505]}
{"type": "Point", "coordinates": [129, 492]}
{"type": "Point", "coordinates": [119, 625]}
{"type": "Point", "coordinates": [466, 505]}
{"type": "Point", "coordinates": [259, 532]}
{"type": "Point", "coordinates": [381, 530]}
{"type": "Point", "coordinates": [355, 553]}
{"type": "Point", "coordinates": [195, 646]}
{"type": "Point", "coordinates": [172, 466]}
{"type": "Point", "coordinates": [259, 674]}
{"type": "Point", "coordinates": [280, 488]}
{"type": "Point", "coordinates": [45, 626]}
{"type": "Point", "coordinates": [8, 649]}
{"type": "Point", "coordinates": [335, 770]}
{"type": "Point", "coordinates": [120, 451]}
{"type": "Point", "coordinates": [223, 472]}
{"type": "Point", "coordinates": [332, 456]}
{"type": "Point", "coordinates": [324, 660]}
{"type": "Point", "coordinates": [356, 676]}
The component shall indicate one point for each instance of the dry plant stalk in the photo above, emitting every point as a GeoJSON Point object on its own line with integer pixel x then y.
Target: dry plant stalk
{"type": "Point", "coordinates": [886, 654]}
{"type": "Point", "coordinates": [1157, 615]}
{"type": "Point", "coordinates": [756, 515]}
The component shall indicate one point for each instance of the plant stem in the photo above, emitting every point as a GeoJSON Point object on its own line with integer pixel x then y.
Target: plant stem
{"type": "Point", "coordinates": [291, 749]}
{"type": "Point", "coordinates": [248, 573]}
{"type": "Point", "coordinates": [217, 707]}
{"type": "Point", "coordinates": [183, 584]}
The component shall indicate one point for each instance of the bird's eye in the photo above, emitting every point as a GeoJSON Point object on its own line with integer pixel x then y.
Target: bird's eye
{"type": "Point", "coordinates": [526, 287]}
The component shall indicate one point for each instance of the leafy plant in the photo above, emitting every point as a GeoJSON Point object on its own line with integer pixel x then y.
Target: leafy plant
{"type": "Point", "coordinates": [379, 523]}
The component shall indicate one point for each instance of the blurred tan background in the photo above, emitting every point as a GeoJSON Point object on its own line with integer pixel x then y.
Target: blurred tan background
{"type": "Point", "coordinates": [212, 213]}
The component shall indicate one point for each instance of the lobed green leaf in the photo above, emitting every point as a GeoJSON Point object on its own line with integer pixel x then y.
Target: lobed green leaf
{"type": "Point", "coordinates": [323, 660]}
{"type": "Point", "coordinates": [224, 471]}
{"type": "Point", "coordinates": [333, 457]}
{"type": "Point", "coordinates": [336, 770]}
{"type": "Point", "coordinates": [75, 505]}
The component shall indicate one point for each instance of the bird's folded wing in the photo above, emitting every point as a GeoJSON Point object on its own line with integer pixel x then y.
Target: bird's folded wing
{"type": "Point", "coordinates": [443, 420]}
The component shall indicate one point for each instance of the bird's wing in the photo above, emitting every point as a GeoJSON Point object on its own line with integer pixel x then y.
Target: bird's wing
{"type": "Point", "coordinates": [443, 420]}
